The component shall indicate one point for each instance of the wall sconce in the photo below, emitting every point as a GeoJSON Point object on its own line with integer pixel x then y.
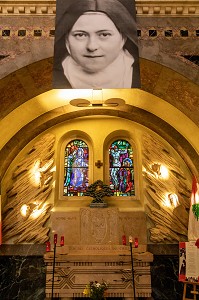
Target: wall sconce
{"type": "Point", "coordinates": [160, 170]}
{"type": "Point", "coordinates": [32, 210]}
{"type": "Point", "coordinates": [173, 200]}
{"type": "Point", "coordinates": [156, 168]}
{"type": "Point", "coordinates": [25, 210]}
{"type": "Point", "coordinates": [38, 210]}
{"type": "Point", "coordinates": [170, 200]}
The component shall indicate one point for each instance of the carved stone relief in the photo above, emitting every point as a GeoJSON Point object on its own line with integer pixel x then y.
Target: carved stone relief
{"type": "Point", "coordinates": [168, 199]}
{"type": "Point", "coordinates": [99, 226]}
{"type": "Point", "coordinates": [25, 207]}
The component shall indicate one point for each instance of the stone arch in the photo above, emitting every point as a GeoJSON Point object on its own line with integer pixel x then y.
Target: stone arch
{"type": "Point", "coordinates": [161, 81]}
{"type": "Point", "coordinates": [49, 119]}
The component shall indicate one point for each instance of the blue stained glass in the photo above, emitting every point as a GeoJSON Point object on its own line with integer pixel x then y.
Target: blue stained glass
{"type": "Point", "coordinates": [121, 168]}
{"type": "Point", "coordinates": [76, 168]}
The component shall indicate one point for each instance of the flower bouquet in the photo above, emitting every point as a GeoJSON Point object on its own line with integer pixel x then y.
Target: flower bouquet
{"type": "Point", "coordinates": [96, 290]}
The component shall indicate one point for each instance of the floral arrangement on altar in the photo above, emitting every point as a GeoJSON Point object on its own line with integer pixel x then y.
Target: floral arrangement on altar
{"type": "Point", "coordinates": [96, 290]}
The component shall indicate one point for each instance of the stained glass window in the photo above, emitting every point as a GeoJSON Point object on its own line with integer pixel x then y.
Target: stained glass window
{"type": "Point", "coordinates": [76, 168]}
{"type": "Point", "coordinates": [121, 168]}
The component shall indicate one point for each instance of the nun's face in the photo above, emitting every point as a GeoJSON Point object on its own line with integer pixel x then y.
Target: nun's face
{"type": "Point", "coordinates": [94, 42]}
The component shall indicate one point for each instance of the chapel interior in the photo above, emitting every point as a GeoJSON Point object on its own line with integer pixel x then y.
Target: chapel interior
{"type": "Point", "coordinates": [159, 120]}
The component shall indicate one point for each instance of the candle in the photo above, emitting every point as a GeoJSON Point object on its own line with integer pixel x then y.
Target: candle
{"type": "Point", "coordinates": [62, 241]}
{"type": "Point", "coordinates": [47, 246]}
{"type": "Point", "coordinates": [55, 238]}
{"type": "Point", "coordinates": [130, 239]}
{"type": "Point", "coordinates": [136, 242]}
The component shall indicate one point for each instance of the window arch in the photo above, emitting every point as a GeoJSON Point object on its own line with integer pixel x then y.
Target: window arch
{"type": "Point", "coordinates": [76, 168]}
{"type": "Point", "coordinates": [121, 168]}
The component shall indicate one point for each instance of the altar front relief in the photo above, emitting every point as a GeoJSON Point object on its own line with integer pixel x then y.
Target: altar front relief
{"type": "Point", "coordinates": [94, 250]}
{"type": "Point", "coordinates": [93, 226]}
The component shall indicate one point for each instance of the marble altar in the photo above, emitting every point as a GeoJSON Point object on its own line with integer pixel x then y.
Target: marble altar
{"type": "Point", "coordinates": [76, 265]}
{"type": "Point", "coordinates": [94, 251]}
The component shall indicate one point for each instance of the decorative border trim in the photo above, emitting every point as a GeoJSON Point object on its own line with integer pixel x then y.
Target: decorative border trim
{"type": "Point", "coordinates": [169, 8]}
{"type": "Point", "coordinates": [144, 33]}
{"type": "Point", "coordinates": [144, 8]}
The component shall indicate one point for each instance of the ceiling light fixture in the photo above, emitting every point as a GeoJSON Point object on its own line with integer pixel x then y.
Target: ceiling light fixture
{"type": "Point", "coordinates": [97, 100]}
{"type": "Point", "coordinates": [112, 102]}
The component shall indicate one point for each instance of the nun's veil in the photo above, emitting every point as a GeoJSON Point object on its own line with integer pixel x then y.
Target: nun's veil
{"type": "Point", "coordinates": [68, 11]}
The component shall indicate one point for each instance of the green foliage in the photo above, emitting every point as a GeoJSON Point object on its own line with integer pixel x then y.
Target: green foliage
{"type": "Point", "coordinates": [195, 210]}
{"type": "Point", "coordinates": [96, 290]}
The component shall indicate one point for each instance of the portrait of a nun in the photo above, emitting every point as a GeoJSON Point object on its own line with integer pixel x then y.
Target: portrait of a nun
{"type": "Point", "coordinates": [95, 45]}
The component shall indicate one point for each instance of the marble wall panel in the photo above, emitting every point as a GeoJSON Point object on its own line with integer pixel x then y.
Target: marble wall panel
{"type": "Point", "coordinates": [164, 278]}
{"type": "Point", "coordinates": [22, 278]}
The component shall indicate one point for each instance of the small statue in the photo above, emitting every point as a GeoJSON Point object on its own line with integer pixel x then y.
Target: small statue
{"type": "Point", "coordinates": [98, 190]}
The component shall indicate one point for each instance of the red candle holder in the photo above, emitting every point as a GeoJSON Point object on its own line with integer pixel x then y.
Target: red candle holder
{"type": "Point", "coordinates": [136, 242]}
{"type": "Point", "coordinates": [124, 239]}
{"type": "Point", "coordinates": [55, 238]}
{"type": "Point", "coordinates": [197, 243]}
{"type": "Point", "coordinates": [62, 241]}
{"type": "Point", "coordinates": [47, 246]}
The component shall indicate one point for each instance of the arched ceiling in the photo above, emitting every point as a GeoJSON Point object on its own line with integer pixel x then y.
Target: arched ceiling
{"type": "Point", "coordinates": [49, 119]}
{"type": "Point", "coordinates": [168, 108]}
{"type": "Point", "coordinates": [163, 82]}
